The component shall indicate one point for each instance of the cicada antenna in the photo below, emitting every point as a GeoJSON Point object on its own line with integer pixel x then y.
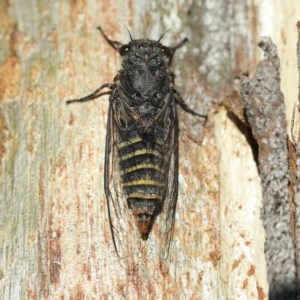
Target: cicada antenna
{"type": "Point", "coordinates": [163, 35]}
{"type": "Point", "coordinates": [131, 39]}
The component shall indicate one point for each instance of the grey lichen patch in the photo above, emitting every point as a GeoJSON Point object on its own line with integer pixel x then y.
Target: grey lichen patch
{"type": "Point", "coordinates": [1, 274]}
{"type": "Point", "coordinates": [3, 135]}
{"type": "Point", "coordinates": [265, 112]}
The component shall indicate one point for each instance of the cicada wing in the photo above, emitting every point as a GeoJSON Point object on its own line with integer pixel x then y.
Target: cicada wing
{"type": "Point", "coordinates": [167, 218]}
{"type": "Point", "coordinates": [116, 202]}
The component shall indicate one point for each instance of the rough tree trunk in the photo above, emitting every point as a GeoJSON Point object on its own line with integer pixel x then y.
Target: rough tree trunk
{"type": "Point", "coordinates": [55, 240]}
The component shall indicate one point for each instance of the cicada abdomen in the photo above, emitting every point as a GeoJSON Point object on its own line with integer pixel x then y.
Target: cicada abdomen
{"type": "Point", "coordinates": [144, 160]}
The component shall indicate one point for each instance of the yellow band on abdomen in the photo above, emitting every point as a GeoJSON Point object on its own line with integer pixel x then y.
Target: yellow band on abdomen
{"type": "Point", "coordinates": [141, 166]}
{"type": "Point", "coordinates": [141, 152]}
{"type": "Point", "coordinates": [144, 196]}
{"type": "Point", "coordinates": [142, 182]}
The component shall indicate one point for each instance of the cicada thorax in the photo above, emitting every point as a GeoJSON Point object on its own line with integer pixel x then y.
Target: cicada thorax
{"type": "Point", "coordinates": [142, 150]}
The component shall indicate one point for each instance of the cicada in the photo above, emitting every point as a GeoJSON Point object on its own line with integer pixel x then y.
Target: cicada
{"type": "Point", "coordinates": [141, 153]}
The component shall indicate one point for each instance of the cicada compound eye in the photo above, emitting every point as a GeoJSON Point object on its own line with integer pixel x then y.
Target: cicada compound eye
{"type": "Point", "coordinates": [124, 50]}
{"type": "Point", "coordinates": [166, 51]}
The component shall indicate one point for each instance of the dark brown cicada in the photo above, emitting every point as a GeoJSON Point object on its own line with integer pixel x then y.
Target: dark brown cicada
{"type": "Point", "coordinates": [141, 156]}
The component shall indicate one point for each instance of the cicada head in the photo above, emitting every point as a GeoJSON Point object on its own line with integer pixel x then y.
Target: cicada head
{"type": "Point", "coordinates": [145, 66]}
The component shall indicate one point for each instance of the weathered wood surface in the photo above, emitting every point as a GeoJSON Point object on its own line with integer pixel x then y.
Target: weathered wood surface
{"type": "Point", "coordinates": [55, 239]}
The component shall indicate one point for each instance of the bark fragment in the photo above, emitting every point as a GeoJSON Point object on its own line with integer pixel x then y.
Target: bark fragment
{"type": "Point", "coordinates": [297, 185]}
{"type": "Point", "coordinates": [294, 165]}
{"type": "Point", "coordinates": [265, 112]}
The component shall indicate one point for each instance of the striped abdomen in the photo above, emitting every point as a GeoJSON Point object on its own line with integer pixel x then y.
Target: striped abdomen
{"type": "Point", "coordinates": [143, 178]}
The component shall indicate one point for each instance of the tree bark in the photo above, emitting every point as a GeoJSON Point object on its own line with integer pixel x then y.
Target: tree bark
{"type": "Point", "coordinates": [55, 240]}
